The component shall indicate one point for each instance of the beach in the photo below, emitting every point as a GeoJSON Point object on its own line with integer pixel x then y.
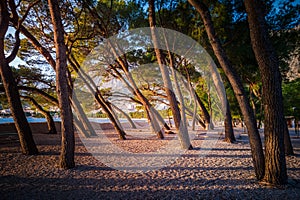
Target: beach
{"type": "Point", "coordinates": [224, 172]}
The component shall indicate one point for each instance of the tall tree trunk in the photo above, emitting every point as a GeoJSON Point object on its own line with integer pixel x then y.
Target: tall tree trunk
{"type": "Point", "coordinates": [288, 147]}
{"type": "Point", "coordinates": [183, 125]}
{"type": "Point", "coordinates": [98, 97]}
{"type": "Point", "coordinates": [68, 142]}
{"type": "Point", "coordinates": [47, 115]}
{"type": "Point", "coordinates": [82, 116]}
{"type": "Point", "coordinates": [261, 110]}
{"type": "Point", "coordinates": [182, 130]}
{"type": "Point", "coordinates": [198, 102]}
{"type": "Point", "coordinates": [239, 91]}
{"type": "Point", "coordinates": [80, 127]}
{"type": "Point", "coordinates": [229, 133]}
{"type": "Point", "coordinates": [28, 146]}
{"type": "Point", "coordinates": [114, 114]}
{"type": "Point", "coordinates": [275, 163]}
{"type": "Point", "coordinates": [136, 91]}
{"type": "Point", "coordinates": [204, 111]}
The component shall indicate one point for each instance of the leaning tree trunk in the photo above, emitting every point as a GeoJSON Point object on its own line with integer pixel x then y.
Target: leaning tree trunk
{"type": "Point", "coordinates": [28, 146]}
{"type": "Point", "coordinates": [136, 91]}
{"type": "Point", "coordinates": [204, 111]}
{"type": "Point", "coordinates": [67, 129]}
{"type": "Point", "coordinates": [239, 91]}
{"type": "Point", "coordinates": [98, 97]}
{"type": "Point", "coordinates": [229, 133]}
{"type": "Point", "coordinates": [82, 116]}
{"type": "Point", "coordinates": [183, 127]}
{"type": "Point", "coordinates": [275, 163]}
{"type": "Point", "coordinates": [197, 102]}
{"type": "Point", "coordinates": [125, 115]}
{"type": "Point", "coordinates": [182, 131]}
{"type": "Point", "coordinates": [47, 115]}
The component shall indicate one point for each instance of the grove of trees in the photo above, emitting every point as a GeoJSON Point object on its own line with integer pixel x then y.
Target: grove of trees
{"type": "Point", "coordinates": [254, 43]}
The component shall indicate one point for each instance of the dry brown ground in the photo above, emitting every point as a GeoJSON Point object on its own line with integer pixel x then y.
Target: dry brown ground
{"type": "Point", "coordinates": [226, 172]}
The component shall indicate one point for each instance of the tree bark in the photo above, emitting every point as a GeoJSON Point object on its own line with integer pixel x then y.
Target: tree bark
{"type": "Point", "coordinates": [82, 116]}
{"type": "Point", "coordinates": [98, 97]}
{"type": "Point", "coordinates": [236, 83]}
{"type": "Point", "coordinates": [204, 111]}
{"type": "Point", "coordinates": [288, 147]}
{"type": "Point", "coordinates": [275, 163]}
{"type": "Point", "coordinates": [80, 127]}
{"type": "Point", "coordinates": [67, 129]}
{"type": "Point", "coordinates": [183, 125]}
{"type": "Point", "coordinates": [126, 116]}
{"type": "Point", "coordinates": [229, 133]}
{"type": "Point", "coordinates": [182, 130]}
{"type": "Point", "coordinates": [28, 145]}
{"type": "Point", "coordinates": [47, 115]}
{"type": "Point", "coordinates": [198, 102]}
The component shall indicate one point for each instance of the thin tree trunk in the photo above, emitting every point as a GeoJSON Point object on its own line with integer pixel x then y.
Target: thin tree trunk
{"type": "Point", "coordinates": [197, 102]}
{"type": "Point", "coordinates": [239, 91]}
{"type": "Point", "coordinates": [194, 114]}
{"type": "Point", "coordinates": [183, 125]}
{"type": "Point", "coordinates": [200, 121]}
{"type": "Point", "coordinates": [203, 110]}
{"type": "Point", "coordinates": [160, 119]}
{"type": "Point", "coordinates": [126, 116]}
{"type": "Point", "coordinates": [82, 116]}
{"type": "Point", "coordinates": [275, 126]}
{"type": "Point", "coordinates": [135, 90]}
{"type": "Point", "coordinates": [67, 129]}
{"type": "Point", "coordinates": [229, 133]}
{"type": "Point", "coordinates": [111, 110]}
{"type": "Point", "coordinates": [28, 145]}
{"type": "Point", "coordinates": [182, 131]}
{"type": "Point", "coordinates": [98, 97]}
{"type": "Point", "coordinates": [47, 115]}
{"type": "Point", "coordinates": [288, 147]}
{"type": "Point", "coordinates": [80, 127]}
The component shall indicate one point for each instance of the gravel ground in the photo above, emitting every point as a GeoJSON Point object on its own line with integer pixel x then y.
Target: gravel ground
{"type": "Point", "coordinates": [226, 172]}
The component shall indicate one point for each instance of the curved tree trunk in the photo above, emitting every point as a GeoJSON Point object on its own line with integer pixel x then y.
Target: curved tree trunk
{"type": "Point", "coordinates": [125, 114]}
{"type": "Point", "coordinates": [160, 119]}
{"type": "Point", "coordinates": [275, 126]}
{"type": "Point", "coordinates": [229, 133]}
{"type": "Point", "coordinates": [82, 116]}
{"type": "Point", "coordinates": [204, 111]}
{"type": "Point", "coordinates": [136, 91]}
{"type": "Point", "coordinates": [200, 121]}
{"type": "Point", "coordinates": [47, 115]}
{"type": "Point", "coordinates": [67, 129]}
{"type": "Point", "coordinates": [236, 83]}
{"type": "Point", "coordinates": [98, 97]}
{"type": "Point", "coordinates": [80, 127]}
{"type": "Point", "coordinates": [112, 111]}
{"type": "Point", "coordinates": [28, 146]}
{"type": "Point", "coordinates": [198, 102]}
{"type": "Point", "coordinates": [182, 130]}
